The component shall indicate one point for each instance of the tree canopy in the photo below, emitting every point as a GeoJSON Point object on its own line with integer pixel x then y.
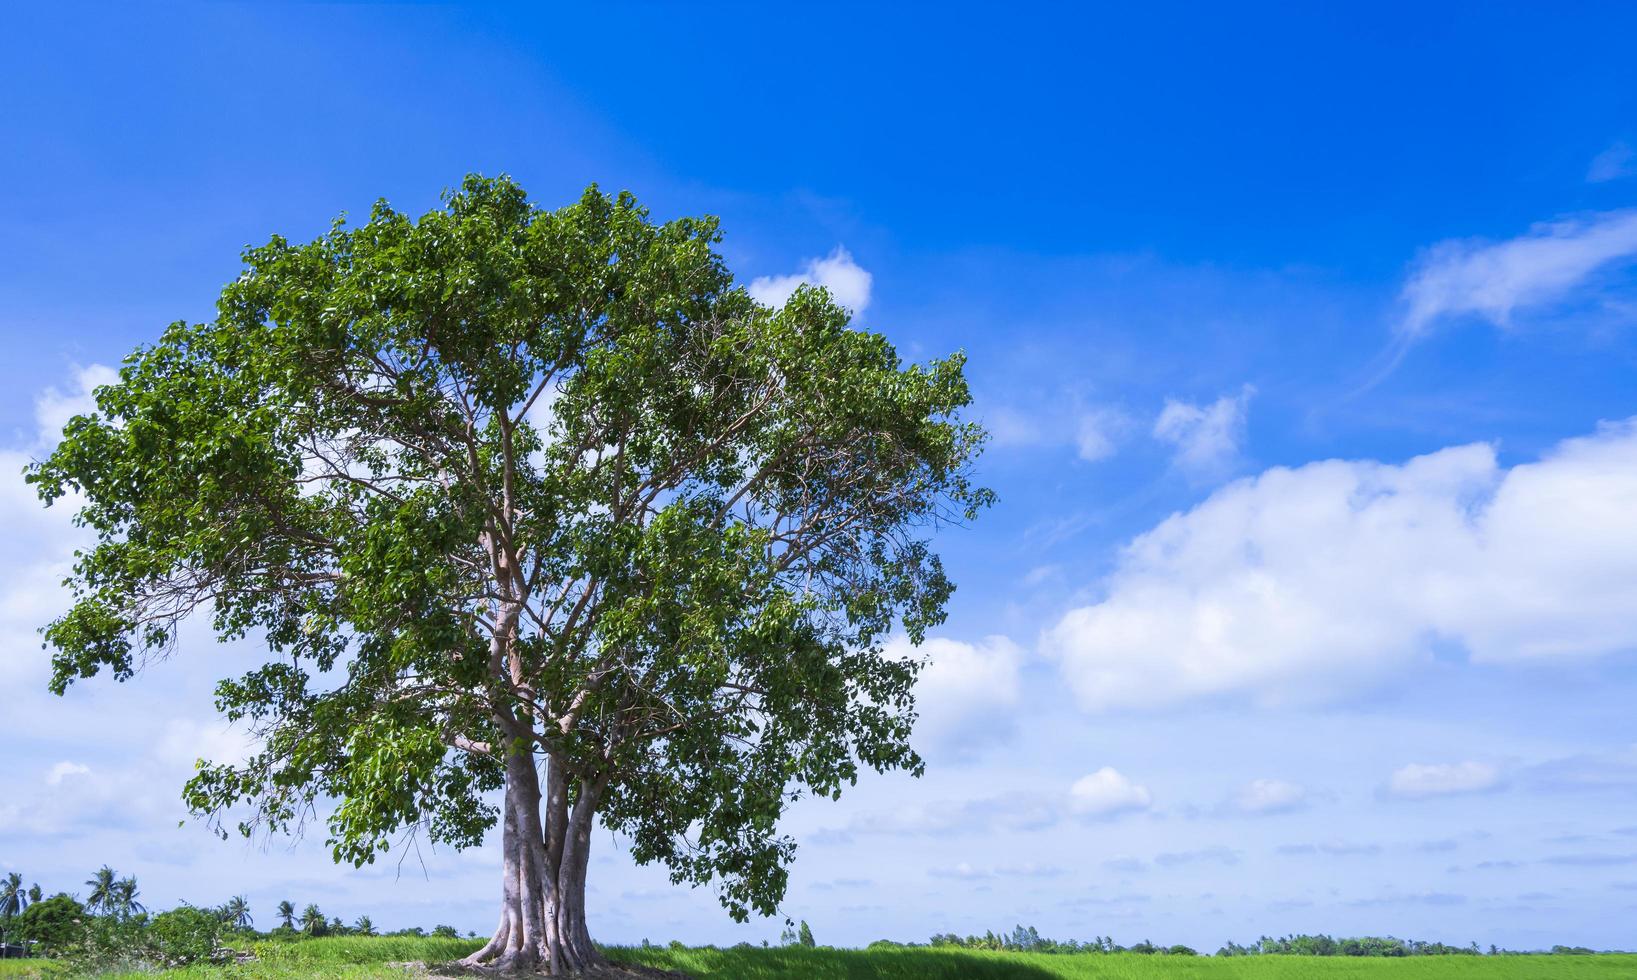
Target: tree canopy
{"type": "Point", "coordinates": [504, 483]}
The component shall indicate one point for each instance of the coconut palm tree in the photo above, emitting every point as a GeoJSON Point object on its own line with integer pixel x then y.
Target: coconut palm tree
{"type": "Point", "coordinates": [102, 890]}
{"type": "Point", "coordinates": [364, 927]}
{"type": "Point", "coordinates": [287, 913]}
{"type": "Point", "coordinates": [236, 913]}
{"type": "Point", "coordinates": [13, 900]}
{"type": "Point", "coordinates": [312, 921]}
{"type": "Point", "coordinates": [122, 899]}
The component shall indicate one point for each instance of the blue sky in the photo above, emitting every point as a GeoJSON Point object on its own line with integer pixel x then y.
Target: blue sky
{"type": "Point", "coordinates": [1307, 339]}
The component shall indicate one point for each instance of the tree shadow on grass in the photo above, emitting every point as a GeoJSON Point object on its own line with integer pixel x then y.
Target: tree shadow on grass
{"type": "Point", "coordinates": [791, 963]}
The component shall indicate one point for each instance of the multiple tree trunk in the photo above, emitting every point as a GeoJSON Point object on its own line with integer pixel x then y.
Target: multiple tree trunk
{"type": "Point", "coordinates": [543, 870]}
{"type": "Point", "coordinates": [542, 919]}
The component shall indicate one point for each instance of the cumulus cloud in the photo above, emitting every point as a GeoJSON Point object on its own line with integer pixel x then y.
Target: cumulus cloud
{"type": "Point", "coordinates": [37, 550]}
{"type": "Point", "coordinates": [1418, 781]}
{"type": "Point", "coordinates": [1493, 280]}
{"type": "Point", "coordinates": [1207, 437]}
{"type": "Point", "coordinates": [1294, 584]}
{"type": "Point", "coordinates": [1106, 793]}
{"type": "Point", "coordinates": [848, 282]}
{"type": "Point", "coordinates": [1269, 796]}
{"type": "Point", "coordinates": [967, 693]}
{"type": "Point", "coordinates": [54, 407]}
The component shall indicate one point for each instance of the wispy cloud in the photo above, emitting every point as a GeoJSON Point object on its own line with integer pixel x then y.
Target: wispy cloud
{"type": "Point", "coordinates": [1093, 431]}
{"type": "Point", "coordinates": [1494, 280]}
{"type": "Point", "coordinates": [1419, 781]}
{"type": "Point", "coordinates": [1618, 161]}
{"type": "Point", "coordinates": [1329, 849]}
{"type": "Point", "coordinates": [1261, 796]}
{"type": "Point", "coordinates": [1217, 854]}
{"type": "Point", "coordinates": [1207, 438]}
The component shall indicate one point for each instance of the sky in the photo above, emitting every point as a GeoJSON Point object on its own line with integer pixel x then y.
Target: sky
{"type": "Point", "coordinates": [1307, 342]}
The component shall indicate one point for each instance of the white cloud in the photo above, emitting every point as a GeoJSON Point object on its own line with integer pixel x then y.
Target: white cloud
{"type": "Point", "coordinates": [967, 693]}
{"type": "Point", "coordinates": [1269, 796]}
{"type": "Point", "coordinates": [1417, 781]}
{"type": "Point", "coordinates": [1207, 437]}
{"type": "Point", "coordinates": [1107, 792]}
{"type": "Point", "coordinates": [961, 872]}
{"type": "Point", "coordinates": [53, 408]}
{"type": "Point", "coordinates": [848, 282]}
{"type": "Point", "coordinates": [1619, 160]}
{"type": "Point", "coordinates": [1289, 585]}
{"type": "Point", "coordinates": [1097, 434]}
{"type": "Point", "coordinates": [1017, 811]}
{"type": "Point", "coordinates": [1492, 280]}
{"type": "Point", "coordinates": [1094, 432]}
{"type": "Point", "coordinates": [37, 550]}
{"type": "Point", "coordinates": [1216, 853]}
{"type": "Point", "coordinates": [66, 770]}
{"type": "Point", "coordinates": [964, 871]}
{"type": "Point", "coordinates": [184, 742]}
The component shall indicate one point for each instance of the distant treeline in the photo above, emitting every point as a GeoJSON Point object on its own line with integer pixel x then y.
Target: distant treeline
{"type": "Point", "coordinates": [1027, 939]}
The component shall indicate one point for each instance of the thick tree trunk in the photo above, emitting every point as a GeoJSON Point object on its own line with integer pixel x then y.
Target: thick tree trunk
{"type": "Point", "coordinates": [542, 919]}
{"type": "Point", "coordinates": [574, 940]}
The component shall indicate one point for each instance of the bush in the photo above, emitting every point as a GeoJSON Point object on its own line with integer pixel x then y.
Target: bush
{"type": "Point", "coordinates": [56, 924]}
{"type": "Point", "coordinates": [184, 935]}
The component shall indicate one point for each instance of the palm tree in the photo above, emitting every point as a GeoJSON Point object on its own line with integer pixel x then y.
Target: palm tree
{"type": "Point", "coordinates": [122, 900]}
{"type": "Point", "coordinates": [364, 927]}
{"type": "Point", "coordinates": [236, 913]}
{"type": "Point", "coordinates": [102, 890]}
{"type": "Point", "coordinates": [287, 912]}
{"type": "Point", "coordinates": [12, 898]}
{"type": "Point", "coordinates": [34, 893]}
{"type": "Point", "coordinates": [312, 921]}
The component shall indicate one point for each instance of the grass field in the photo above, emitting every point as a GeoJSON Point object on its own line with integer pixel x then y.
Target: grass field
{"type": "Point", "coordinates": [352, 958]}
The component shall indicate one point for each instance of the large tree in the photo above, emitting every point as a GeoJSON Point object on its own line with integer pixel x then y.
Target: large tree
{"type": "Point", "coordinates": [534, 501]}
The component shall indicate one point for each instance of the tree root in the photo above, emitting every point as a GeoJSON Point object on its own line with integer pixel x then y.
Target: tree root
{"type": "Point", "coordinates": [605, 971]}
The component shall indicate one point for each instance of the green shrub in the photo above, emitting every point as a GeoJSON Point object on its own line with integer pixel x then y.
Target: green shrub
{"type": "Point", "coordinates": [184, 935]}
{"type": "Point", "coordinates": [56, 924]}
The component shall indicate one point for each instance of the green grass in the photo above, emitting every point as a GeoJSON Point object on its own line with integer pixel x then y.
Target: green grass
{"type": "Point", "coordinates": [939, 964]}
{"type": "Point", "coordinates": [356, 958]}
